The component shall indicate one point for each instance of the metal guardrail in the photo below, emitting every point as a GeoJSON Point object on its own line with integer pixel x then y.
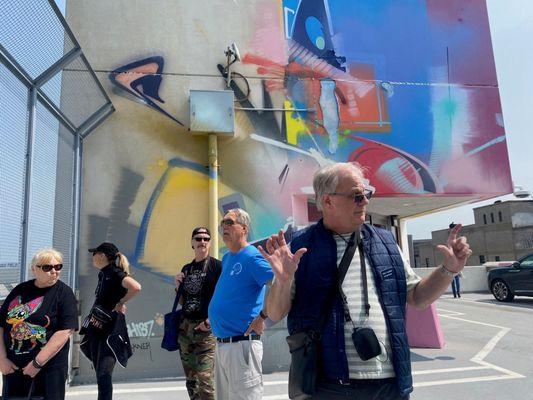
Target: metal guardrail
{"type": "Point", "coordinates": [38, 49]}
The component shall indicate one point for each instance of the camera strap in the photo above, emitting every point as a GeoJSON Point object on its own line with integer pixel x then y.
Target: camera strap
{"type": "Point", "coordinates": [343, 269]}
{"type": "Point", "coordinates": [341, 273]}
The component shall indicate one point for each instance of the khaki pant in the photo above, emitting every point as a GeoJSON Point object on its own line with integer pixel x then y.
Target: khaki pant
{"type": "Point", "coordinates": [238, 370]}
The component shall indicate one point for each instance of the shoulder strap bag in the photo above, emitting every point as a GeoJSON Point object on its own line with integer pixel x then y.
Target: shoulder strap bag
{"type": "Point", "coordinates": [172, 321]}
{"type": "Point", "coordinates": [304, 346]}
{"type": "Point", "coordinates": [364, 338]}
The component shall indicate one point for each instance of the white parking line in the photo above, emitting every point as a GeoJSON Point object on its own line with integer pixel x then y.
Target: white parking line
{"type": "Point", "coordinates": [474, 322]}
{"type": "Point", "coordinates": [485, 303]}
{"type": "Point", "coordinates": [449, 312]}
{"type": "Point", "coordinates": [155, 389]}
{"type": "Point", "coordinates": [446, 370]}
{"type": "Point", "coordinates": [479, 358]}
{"type": "Point", "coordinates": [464, 380]}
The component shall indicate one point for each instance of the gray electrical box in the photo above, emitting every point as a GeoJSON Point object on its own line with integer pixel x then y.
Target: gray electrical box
{"type": "Point", "coordinates": [212, 111]}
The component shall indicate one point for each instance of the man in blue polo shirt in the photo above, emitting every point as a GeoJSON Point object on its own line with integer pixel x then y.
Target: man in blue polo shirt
{"type": "Point", "coordinates": [235, 313]}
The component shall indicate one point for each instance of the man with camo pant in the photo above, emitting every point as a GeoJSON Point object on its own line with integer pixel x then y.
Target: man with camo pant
{"type": "Point", "coordinates": [197, 343]}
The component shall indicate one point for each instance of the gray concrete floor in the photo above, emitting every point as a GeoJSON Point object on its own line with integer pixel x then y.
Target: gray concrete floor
{"type": "Point", "coordinates": [487, 355]}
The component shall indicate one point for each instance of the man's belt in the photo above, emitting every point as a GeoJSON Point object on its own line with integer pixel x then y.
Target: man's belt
{"type": "Point", "coordinates": [238, 338]}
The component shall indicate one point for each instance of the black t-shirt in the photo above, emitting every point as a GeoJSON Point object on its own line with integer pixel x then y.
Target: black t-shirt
{"type": "Point", "coordinates": [109, 290]}
{"type": "Point", "coordinates": [31, 315]}
{"type": "Point", "coordinates": [198, 288]}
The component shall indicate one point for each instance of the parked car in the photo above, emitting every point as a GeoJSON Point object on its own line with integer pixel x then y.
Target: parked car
{"type": "Point", "coordinates": [514, 280]}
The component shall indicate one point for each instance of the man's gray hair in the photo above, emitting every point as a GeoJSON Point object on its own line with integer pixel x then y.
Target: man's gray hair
{"type": "Point", "coordinates": [326, 179]}
{"type": "Point", "coordinates": [242, 216]}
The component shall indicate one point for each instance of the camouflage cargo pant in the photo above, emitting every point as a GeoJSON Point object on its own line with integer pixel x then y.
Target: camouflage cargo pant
{"type": "Point", "coordinates": [197, 356]}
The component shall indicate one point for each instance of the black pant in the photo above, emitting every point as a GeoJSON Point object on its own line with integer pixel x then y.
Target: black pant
{"type": "Point", "coordinates": [364, 389]}
{"type": "Point", "coordinates": [103, 362]}
{"type": "Point", "coordinates": [49, 383]}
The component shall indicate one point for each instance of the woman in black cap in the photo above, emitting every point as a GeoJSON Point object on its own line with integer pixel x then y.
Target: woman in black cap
{"type": "Point", "coordinates": [115, 288]}
{"type": "Point", "coordinates": [197, 343]}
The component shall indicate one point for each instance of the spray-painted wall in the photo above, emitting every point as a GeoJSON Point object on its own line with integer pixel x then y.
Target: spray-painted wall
{"type": "Point", "coordinates": [407, 89]}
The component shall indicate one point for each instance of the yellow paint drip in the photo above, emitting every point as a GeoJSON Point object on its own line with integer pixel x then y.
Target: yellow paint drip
{"type": "Point", "coordinates": [295, 124]}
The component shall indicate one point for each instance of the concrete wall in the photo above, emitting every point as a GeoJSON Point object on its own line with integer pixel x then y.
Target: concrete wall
{"type": "Point", "coordinates": [144, 174]}
{"type": "Point", "coordinates": [474, 278]}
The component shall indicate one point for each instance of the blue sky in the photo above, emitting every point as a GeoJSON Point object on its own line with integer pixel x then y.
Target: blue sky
{"type": "Point", "coordinates": [511, 25]}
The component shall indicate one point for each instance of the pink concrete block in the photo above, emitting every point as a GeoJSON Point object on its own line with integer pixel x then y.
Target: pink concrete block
{"type": "Point", "coordinates": [423, 328]}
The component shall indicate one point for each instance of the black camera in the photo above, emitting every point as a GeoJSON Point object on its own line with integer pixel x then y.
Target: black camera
{"type": "Point", "coordinates": [366, 343]}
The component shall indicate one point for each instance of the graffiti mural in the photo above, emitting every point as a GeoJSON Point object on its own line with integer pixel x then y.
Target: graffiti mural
{"type": "Point", "coordinates": [394, 87]}
{"type": "Point", "coordinates": [141, 80]}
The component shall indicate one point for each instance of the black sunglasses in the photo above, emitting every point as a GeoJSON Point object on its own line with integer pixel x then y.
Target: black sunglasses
{"type": "Point", "coordinates": [49, 267]}
{"type": "Point", "coordinates": [358, 198]}
{"type": "Point", "coordinates": [202, 239]}
{"type": "Point", "coordinates": [228, 222]}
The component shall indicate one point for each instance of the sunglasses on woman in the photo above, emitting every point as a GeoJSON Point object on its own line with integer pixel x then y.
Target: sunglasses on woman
{"type": "Point", "coordinates": [49, 267]}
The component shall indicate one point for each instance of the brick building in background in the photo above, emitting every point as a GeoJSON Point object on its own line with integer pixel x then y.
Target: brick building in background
{"type": "Point", "coordinates": [501, 231]}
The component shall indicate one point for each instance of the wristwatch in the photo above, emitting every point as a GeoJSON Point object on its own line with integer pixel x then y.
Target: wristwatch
{"type": "Point", "coordinates": [445, 271]}
{"type": "Point", "coordinates": [263, 315]}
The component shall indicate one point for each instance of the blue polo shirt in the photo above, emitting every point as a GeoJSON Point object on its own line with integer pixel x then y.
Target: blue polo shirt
{"type": "Point", "coordinates": [240, 292]}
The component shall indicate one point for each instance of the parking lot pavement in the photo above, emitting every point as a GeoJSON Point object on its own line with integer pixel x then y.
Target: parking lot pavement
{"type": "Point", "coordinates": [487, 355]}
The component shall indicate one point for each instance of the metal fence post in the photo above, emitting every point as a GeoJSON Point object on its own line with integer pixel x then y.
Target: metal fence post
{"type": "Point", "coordinates": [32, 111]}
{"type": "Point", "coordinates": [76, 201]}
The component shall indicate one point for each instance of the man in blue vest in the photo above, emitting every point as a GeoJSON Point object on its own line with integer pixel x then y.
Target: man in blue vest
{"type": "Point", "coordinates": [377, 285]}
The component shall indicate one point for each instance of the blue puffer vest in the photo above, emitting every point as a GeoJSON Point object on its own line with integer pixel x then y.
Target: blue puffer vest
{"type": "Point", "coordinates": [314, 279]}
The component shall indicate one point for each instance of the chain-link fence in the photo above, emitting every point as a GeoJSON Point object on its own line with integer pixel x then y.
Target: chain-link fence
{"type": "Point", "coordinates": [50, 99]}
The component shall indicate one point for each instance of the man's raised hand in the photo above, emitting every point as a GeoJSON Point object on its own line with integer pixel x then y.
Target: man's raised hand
{"type": "Point", "coordinates": [456, 250]}
{"type": "Point", "coordinates": [283, 262]}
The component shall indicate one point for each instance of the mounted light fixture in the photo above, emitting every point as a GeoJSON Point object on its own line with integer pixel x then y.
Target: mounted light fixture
{"type": "Point", "coordinates": [521, 193]}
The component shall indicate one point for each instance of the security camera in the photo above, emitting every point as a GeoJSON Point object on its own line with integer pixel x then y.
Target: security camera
{"type": "Point", "coordinates": [235, 51]}
{"type": "Point", "coordinates": [232, 52]}
{"type": "Point", "coordinates": [232, 56]}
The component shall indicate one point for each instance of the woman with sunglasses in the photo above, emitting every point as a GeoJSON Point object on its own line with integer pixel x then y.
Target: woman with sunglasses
{"type": "Point", "coordinates": [197, 344]}
{"type": "Point", "coordinates": [37, 319]}
{"type": "Point", "coordinates": [115, 288]}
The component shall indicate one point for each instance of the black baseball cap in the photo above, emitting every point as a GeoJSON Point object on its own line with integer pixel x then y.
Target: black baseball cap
{"type": "Point", "coordinates": [200, 229]}
{"type": "Point", "coordinates": [109, 249]}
